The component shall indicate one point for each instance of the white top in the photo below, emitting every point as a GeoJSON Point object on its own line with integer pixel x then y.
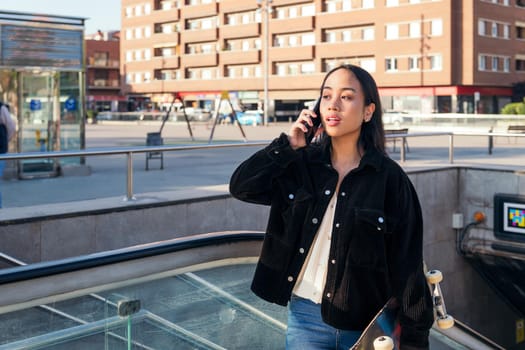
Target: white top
{"type": "Point", "coordinates": [311, 280]}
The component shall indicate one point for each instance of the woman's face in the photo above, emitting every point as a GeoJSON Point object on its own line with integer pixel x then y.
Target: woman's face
{"type": "Point", "coordinates": [342, 106]}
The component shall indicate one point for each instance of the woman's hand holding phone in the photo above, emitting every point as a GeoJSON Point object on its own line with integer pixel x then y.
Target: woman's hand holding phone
{"type": "Point", "coordinates": [304, 128]}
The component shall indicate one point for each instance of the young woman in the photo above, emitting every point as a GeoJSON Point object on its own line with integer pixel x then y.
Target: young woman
{"type": "Point", "coordinates": [345, 231]}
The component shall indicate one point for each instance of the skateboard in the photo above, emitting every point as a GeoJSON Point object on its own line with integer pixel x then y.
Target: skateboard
{"type": "Point", "coordinates": [384, 331]}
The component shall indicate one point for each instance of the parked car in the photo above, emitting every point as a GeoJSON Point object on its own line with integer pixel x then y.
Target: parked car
{"type": "Point", "coordinates": [250, 117]}
{"type": "Point", "coordinates": [194, 114]}
{"type": "Point", "coordinates": [395, 118]}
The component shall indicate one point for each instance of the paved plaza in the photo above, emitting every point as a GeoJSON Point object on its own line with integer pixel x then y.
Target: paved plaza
{"type": "Point", "coordinates": [185, 170]}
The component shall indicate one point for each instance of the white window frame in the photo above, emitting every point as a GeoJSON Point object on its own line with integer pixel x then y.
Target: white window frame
{"type": "Point", "coordinates": [391, 64]}
{"type": "Point", "coordinates": [392, 31]}
{"type": "Point", "coordinates": [495, 63]}
{"type": "Point", "coordinates": [436, 27]}
{"type": "Point", "coordinates": [481, 27]}
{"type": "Point", "coordinates": [482, 63]}
{"type": "Point", "coordinates": [415, 29]}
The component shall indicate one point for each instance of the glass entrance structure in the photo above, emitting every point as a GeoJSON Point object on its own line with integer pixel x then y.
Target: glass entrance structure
{"type": "Point", "coordinates": [42, 80]}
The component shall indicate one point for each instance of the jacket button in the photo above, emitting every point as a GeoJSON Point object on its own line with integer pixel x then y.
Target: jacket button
{"type": "Point", "coordinates": [328, 295]}
{"type": "Point", "coordinates": [380, 219]}
{"type": "Point", "coordinates": [327, 192]}
{"type": "Point", "coordinates": [291, 196]}
{"type": "Point", "coordinates": [290, 279]}
{"type": "Point", "coordinates": [333, 261]}
{"type": "Point", "coordinates": [343, 194]}
{"type": "Point", "coordinates": [378, 228]}
{"type": "Point", "coordinates": [276, 152]}
{"type": "Point", "coordinates": [315, 221]}
{"type": "Point", "coordinates": [301, 250]}
{"type": "Point", "coordinates": [337, 225]}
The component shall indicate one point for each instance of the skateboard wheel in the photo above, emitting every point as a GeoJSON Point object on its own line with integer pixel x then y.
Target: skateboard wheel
{"type": "Point", "coordinates": [434, 276]}
{"type": "Point", "coordinates": [383, 343]}
{"type": "Point", "coordinates": [445, 322]}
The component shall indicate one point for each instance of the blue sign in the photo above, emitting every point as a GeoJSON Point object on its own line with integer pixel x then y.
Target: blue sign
{"type": "Point", "coordinates": [35, 105]}
{"type": "Point", "coordinates": [70, 104]}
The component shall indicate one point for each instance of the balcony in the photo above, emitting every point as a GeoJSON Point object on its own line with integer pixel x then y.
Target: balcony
{"type": "Point", "coordinates": [240, 30]}
{"type": "Point", "coordinates": [109, 64]}
{"type": "Point", "coordinates": [236, 5]}
{"type": "Point", "coordinates": [162, 16]}
{"type": "Point", "coordinates": [292, 25]}
{"type": "Point", "coordinates": [164, 39]}
{"type": "Point", "coordinates": [293, 53]}
{"type": "Point", "coordinates": [169, 62]}
{"type": "Point", "coordinates": [198, 11]}
{"type": "Point", "coordinates": [196, 36]}
{"type": "Point", "coordinates": [240, 57]}
{"type": "Point", "coordinates": [104, 84]}
{"type": "Point", "coordinates": [200, 60]}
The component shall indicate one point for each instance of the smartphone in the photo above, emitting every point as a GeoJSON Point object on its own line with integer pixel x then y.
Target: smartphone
{"type": "Point", "coordinates": [312, 130]}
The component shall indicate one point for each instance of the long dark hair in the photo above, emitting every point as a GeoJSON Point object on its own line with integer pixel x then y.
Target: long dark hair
{"type": "Point", "coordinates": [372, 134]}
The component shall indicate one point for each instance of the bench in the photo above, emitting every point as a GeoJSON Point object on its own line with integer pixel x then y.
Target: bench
{"type": "Point", "coordinates": [516, 129]}
{"type": "Point", "coordinates": [154, 139]}
{"type": "Point", "coordinates": [520, 129]}
{"type": "Point", "coordinates": [399, 135]}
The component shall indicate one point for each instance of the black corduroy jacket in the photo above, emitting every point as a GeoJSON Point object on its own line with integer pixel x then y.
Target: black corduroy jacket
{"type": "Point", "coordinates": [377, 234]}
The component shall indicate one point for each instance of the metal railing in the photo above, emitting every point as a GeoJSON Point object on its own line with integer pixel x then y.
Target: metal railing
{"type": "Point", "coordinates": [130, 151]}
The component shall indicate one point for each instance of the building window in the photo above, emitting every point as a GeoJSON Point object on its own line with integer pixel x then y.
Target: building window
{"type": "Point", "coordinates": [330, 37]}
{"type": "Point", "coordinates": [482, 62]}
{"type": "Point", "coordinates": [368, 4]}
{"type": "Point", "coordinates": [308, 68]}
{"type": "Point", "coordinates": [413, 63]}
{"type": "Point", "coordinates": [520, 32]}
{"type": "Point", "coordinates": [308, 39]}
{"type": "Point", "coordinates": [481, 27]}
{"type": "Point", "coordinates": [494, 29]}
{"type": "Point", "coordinates": [495, 62]}
{"type": "Point", "coordinates": [347, 36]}
{"type": "Point", "coordinates": [415, 29]}
{"type": "Point", "coordinates": [392, 31]}
{"type": "Point", "coordinates": [369, 33]}
{"type": "Point", "coordinates": [506, 31]}
{"type": "Point", "coordinates": [506, 64]}
{"type": "Point", "coordinates": [436, 62]}
{"type": "Point", "coordinates": [392, 3]}
{"type": "Point", "coordinates": [391, 64]}
{"type": "Point", "coordinates": [347, 5]}
{"type": "Point", "coordinates": [436, 27]}
{"type": "Point", "coordinates": [368, 64]}
{"type": "Point", "coordinates": [520, 63]}
{"type": "Point", "coordinates": [308, 10]}
{"type": "Point", "coordinates": [331, 6]}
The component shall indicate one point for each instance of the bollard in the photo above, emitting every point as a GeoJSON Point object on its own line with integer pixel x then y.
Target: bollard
{"type": "Point", "coordinates": [491, 140]}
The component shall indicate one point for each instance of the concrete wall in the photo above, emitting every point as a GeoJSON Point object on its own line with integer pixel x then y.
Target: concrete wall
{"type": "Point", "coordinates": [442, 193]}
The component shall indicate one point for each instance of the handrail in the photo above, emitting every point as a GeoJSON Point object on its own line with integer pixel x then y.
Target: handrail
{"type": "Point", "coordinates": [44, 269]}
{"type": "Point", "coordinates": [129, 151]}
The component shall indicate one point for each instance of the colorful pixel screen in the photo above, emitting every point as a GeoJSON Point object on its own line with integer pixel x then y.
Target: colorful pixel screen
{"type": "Point", "coordinates": [514, 217]}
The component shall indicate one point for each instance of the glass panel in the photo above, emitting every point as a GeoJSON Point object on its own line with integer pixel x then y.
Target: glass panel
{"type": "Point", "coordinates": [71, 117]}
{"type": "Point", "coordinates": [207, 309]}
{"type": "Point", "coordinates": [37, 132]}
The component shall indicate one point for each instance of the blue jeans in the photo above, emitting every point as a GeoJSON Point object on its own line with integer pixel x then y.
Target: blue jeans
{"type": "Point", "coordinates": [307, 331]}
{"type": "Point", "coordinates": [2, 166]}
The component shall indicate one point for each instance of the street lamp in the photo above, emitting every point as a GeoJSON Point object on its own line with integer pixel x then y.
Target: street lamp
{"type": "Point", "coordinates": [266, 8]}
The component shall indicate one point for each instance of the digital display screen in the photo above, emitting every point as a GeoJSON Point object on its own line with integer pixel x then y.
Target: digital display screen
{"type": "Point", "coordinates": [514, 217]}
{"type": "Point", "coordinates": [41, 47]}
{"type": "Point", "coordinates": [509, 216]}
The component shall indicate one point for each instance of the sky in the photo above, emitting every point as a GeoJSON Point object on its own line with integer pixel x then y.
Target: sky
{"type": "Point", "coordinates": [99, 14]}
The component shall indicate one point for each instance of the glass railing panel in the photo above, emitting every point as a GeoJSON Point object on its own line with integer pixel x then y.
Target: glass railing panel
{"type": "Point", "coordinates": [209, 309]}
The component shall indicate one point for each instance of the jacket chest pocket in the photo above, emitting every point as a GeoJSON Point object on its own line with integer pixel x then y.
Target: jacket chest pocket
{"type": "Point", "coordinates": [368, 239]}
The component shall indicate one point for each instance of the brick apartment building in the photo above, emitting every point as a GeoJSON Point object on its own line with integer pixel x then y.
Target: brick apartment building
{"type": "Point", "coordinates": [103, 90]}
{"type": "Point", "coordinates": [426, 55]}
